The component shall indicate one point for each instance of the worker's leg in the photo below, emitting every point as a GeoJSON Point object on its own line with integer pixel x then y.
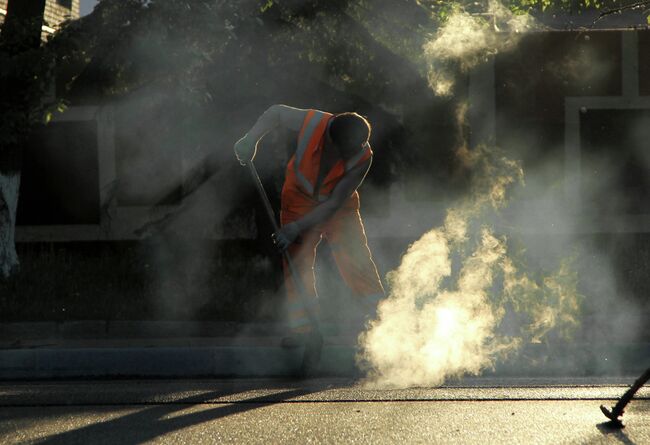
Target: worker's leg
{"type": "Point", "coordinates": [302, 255]}
{"type": "Point", "coordinates": [349, 245]}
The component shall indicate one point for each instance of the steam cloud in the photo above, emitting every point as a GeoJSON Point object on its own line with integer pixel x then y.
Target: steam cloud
{"type": "Point", "coordinates": [451, 290]}
{"type": "Point", "coordinates": [466, 40]}
{"type": "Point", "coordinates": [448, 299]}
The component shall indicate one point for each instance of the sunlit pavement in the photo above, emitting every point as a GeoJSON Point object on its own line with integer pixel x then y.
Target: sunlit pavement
{"type": "Point", "coordinates": [472, 410]}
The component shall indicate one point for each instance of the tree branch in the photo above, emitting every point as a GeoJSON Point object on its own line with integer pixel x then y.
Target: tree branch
{"type": "Point", "coordinates": [608, 12]}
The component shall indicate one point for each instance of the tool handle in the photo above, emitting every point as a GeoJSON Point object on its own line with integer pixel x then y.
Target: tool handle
{"type": "Point", "coordinates": [265, 199]}
{"type": "Point", "coordinates": [292, 269]}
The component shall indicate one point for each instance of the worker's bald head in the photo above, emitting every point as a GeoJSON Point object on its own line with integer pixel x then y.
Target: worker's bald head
{"type": "Point", "coordinates": [349, 131]}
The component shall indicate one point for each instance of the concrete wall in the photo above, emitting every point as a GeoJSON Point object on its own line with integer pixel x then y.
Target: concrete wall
{"type": "Point", "coordinates": [57, 11]}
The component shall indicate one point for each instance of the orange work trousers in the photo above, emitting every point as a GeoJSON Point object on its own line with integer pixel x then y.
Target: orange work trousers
{"type": "Point", "coordinates": [347, 238]}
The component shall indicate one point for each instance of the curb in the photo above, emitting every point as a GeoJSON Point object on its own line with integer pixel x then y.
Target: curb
{"type": "Point", "coordinates": [134, 329]}
{"type": "Point", "coordinates": [223, 361]}
{"type": "Point", "coordinates": [266, 359]}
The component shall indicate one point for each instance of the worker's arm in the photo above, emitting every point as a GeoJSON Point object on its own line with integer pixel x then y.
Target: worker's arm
{"type": "Point", "coordinates": [348, 184]}
{"type": "Point", "coordinates": [275, 116]}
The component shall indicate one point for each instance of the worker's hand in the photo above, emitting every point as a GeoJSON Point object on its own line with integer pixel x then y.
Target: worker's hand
{"type": "Point", "coordinates": [245, 149]}
{"type": "Point", "coordinates": [287, 235]}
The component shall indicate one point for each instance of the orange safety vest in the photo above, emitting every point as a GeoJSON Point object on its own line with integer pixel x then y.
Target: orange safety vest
{"type": "Point", "coordinates": [302, 170]}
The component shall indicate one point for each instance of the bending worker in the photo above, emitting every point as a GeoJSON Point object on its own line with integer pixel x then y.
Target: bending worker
{"type": "Point", "coordinates": [320, 199]}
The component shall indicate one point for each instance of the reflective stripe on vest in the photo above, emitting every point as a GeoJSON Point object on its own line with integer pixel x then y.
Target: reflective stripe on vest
{"type": "Point", "coordinates": [354, 160]}
{"type": "Point", "coordinates": [362, 156]}
{"type": "Point", "coordinates": [306, 157]}
{"type": "Point", "coordinates": [314, 117]}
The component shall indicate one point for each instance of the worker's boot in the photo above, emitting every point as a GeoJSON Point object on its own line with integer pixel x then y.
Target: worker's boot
{"type": "Point", "coordinates": [311, 356]}
{"type": "Point", "coordinates": [295, 340]}
{"type": "Point", "coordinates": [312, 342]}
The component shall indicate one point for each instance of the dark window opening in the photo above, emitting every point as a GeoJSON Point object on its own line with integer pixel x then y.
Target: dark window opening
{"type": "Point", "coordinates": [65, 3]}
{"type": "Point", "coordinates": [60, 176]}
{"type": "Point", "coordinates": [615, 161]}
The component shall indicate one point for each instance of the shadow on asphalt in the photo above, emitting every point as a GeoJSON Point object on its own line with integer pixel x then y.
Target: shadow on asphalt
{"type": "Point", "coordinates": [609, 429]}
{"type": "Point", "coordinates": [147, 424]}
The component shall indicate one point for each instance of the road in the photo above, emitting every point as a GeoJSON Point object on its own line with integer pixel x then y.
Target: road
{"type": "Point", "coordinates": [472, 410]}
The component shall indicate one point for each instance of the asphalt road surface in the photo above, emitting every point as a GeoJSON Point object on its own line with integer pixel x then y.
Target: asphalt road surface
{"type": "Point", "coordinates": [477, 410]}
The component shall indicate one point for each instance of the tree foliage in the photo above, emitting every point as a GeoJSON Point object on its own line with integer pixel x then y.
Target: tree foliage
{"type": "Point", "coordinates": [442, 8]}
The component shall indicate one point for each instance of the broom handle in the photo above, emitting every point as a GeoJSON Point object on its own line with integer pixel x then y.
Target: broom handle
{"type": "Point", "coordinates": [292, 269]}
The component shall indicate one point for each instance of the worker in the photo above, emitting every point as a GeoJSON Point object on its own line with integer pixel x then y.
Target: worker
{"type": "Point", "coordinates": [320, 200]}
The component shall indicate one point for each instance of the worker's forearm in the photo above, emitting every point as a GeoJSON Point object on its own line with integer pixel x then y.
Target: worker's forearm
{"type": "Point", "coordinates": [343, 190]}
{"type": "Point", "coordinates": [320, 214]}
{"type": "Point", "coordinates": [269, 120]}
